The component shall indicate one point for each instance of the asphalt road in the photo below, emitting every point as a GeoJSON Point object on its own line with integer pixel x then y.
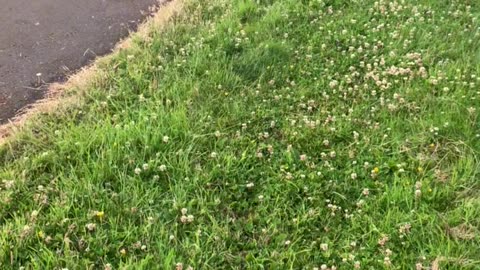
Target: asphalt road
{"type": "Point", "coordinates": [55, 38]}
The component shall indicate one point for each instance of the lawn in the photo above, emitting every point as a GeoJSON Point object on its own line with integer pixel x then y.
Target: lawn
{"type": "Point", "coordinates": [268, 134]}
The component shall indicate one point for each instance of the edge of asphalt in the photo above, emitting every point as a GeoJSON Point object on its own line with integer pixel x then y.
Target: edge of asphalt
{"type": "Point", "coordinates": [57, 98]}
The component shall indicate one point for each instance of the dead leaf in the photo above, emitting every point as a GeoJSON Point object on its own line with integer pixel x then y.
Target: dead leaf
{"type": "Point", "coordinates": [463, 232]}
{"type": "Point", "coordinates": [435, 264]}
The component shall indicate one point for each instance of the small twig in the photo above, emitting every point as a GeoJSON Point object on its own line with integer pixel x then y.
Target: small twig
{"type": "Point", "coordinates": [88, 50]}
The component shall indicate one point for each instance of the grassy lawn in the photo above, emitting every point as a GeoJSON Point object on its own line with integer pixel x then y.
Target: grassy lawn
{"type": "Point", "coordinates": [269, 134]}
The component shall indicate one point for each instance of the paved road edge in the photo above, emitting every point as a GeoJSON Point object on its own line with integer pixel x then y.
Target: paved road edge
{"type": "Point", "coordinates": [57, 97]}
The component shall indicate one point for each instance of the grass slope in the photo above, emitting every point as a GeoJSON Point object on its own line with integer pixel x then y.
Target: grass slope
{"type": "Point", "coordinates": [313, 134]}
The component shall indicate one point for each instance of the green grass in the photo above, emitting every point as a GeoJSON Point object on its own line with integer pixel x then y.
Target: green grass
{"type": "Point", "coordinates": [300, 134]}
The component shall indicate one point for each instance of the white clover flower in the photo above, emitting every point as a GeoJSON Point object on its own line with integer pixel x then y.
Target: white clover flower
{"type": "Point", "coordinates": [418, 185]}
{"type": "Point", "coordinates": [471, 110]}
{"type": "Point", "coordinates": [387, 261]}
{"type": "Point", "coordinates": [333, 84]}
{"type": "Point", "coordinates": [8, 183]}
{"type": "Point", "coordinates": [34, 214]}
{"type": "Point", "coordinates": [356, 135]}
{"type": "Point", "coordinates": [183, 219]}
{"type": "Point", "coordinates": [91, 227]}
{"type": "Point", "coordinates": [360, 203]}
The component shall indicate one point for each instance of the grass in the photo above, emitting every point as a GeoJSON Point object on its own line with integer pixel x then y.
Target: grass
{"type": "Point", "coordinates": [263, 134]}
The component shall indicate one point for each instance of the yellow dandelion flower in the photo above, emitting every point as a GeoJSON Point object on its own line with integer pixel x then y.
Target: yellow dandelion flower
{"type": "Point", "coordinates": [100, 214]}
{"type": "Point", "coordinates": [41, 234]}
{"type": "Point", "coordinates": [376, 170]}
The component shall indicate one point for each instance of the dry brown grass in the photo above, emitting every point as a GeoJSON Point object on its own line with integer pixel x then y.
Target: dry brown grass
{"type": "Point", "coordinates": [61, 96]}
